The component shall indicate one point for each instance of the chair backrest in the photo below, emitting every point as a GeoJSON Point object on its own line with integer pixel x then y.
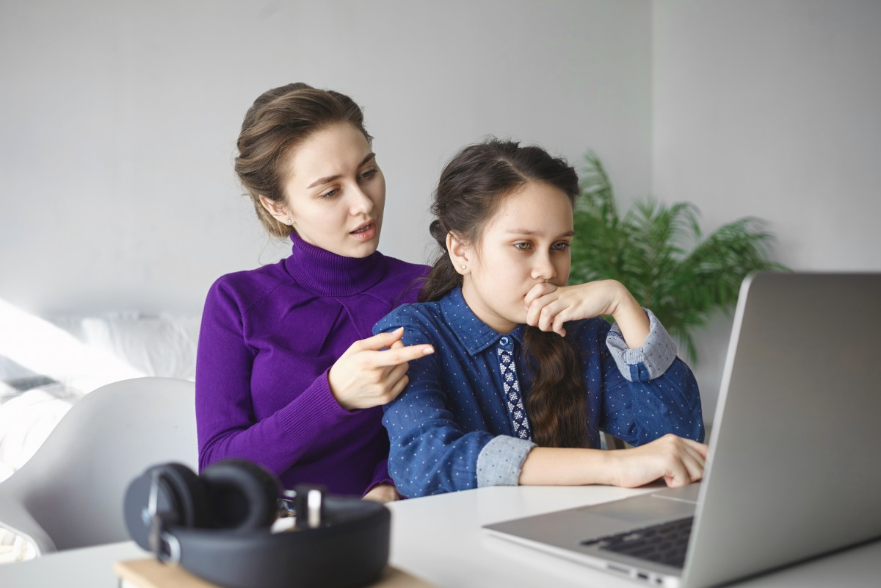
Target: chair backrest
{"type": "Point", "coordinates": [70, 493]}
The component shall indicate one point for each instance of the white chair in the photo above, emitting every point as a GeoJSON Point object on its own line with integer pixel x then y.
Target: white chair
{"type": "Point", "coordinates": [70, 493]}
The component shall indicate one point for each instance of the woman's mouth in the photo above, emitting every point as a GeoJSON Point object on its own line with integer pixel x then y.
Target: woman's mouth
{"type": "Point", "coordinates": [365, 232]}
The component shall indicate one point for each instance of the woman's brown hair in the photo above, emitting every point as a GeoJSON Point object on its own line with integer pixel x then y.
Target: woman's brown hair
{"type": "Point", "coordinates": [469, 192]}
{"type": "Point", "coordinates": [279, 120]}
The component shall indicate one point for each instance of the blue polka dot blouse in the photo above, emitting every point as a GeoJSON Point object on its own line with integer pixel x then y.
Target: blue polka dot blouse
{"type": "Point", "coordinates": [453, 429]}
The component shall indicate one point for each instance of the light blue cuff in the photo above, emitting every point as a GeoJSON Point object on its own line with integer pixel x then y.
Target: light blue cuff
{"type": "Point", "coordinates": [501, 460]}
{"type": "Point", "coordinates": [655, 356]}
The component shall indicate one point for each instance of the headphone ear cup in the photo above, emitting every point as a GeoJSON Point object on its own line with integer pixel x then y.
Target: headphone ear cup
{"type": "Point", "coordinates": [242, 495]}
{"type": "Point", "coordinates": [188, 496]}
{"type": "Point", "coordinates": [181, 498]}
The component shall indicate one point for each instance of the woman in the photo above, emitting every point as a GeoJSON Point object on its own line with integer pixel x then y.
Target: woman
{"type": "Point", "coordinates": [287, 374]}
{"type": "Point", "coordinates": [526, 375]}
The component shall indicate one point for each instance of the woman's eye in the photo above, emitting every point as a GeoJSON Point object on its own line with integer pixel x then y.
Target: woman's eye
{"type": "Point", "coordinates": [561, 246]}
{"type": "Point", "coordinates": [330, 193]}
{"type": "Point", "coordinates": [523, 246]}
{"type": "Point", "coordinates": [368, 174]}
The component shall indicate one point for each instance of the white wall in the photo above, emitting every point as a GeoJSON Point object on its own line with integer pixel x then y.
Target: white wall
{"type": "Point", "coordinates": [772, 109]}
{"type": "Point", "coordinates": [118, 122]}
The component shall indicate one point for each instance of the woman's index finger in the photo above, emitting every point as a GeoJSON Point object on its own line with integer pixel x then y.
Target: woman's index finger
{"type": "Point", "coordinates": [397, 355]}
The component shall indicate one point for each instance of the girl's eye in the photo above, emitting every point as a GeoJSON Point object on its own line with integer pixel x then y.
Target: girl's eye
{"type": "Point", "coordinates": [523, 246]}
{"type": "Point", "coordinates": [369, 174]}
{"type": "Point", "coordinates": [561, 246]}
{"type": "Point", "coordinates": [330, 193]}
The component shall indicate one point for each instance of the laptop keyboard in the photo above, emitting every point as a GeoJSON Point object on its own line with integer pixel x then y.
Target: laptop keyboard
{"type": "Point", "coordinates": [664, 543]}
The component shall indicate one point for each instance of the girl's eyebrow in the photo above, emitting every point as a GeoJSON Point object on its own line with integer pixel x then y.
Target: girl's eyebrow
{"type": "Point", "coordinates": [329, 179]}
{"type": "Point", "coordinates": [531, 233]}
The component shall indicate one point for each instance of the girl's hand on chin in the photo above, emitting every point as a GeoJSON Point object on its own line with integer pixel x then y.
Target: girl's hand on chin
{"type": "Point", "coordinates": [549, 306]}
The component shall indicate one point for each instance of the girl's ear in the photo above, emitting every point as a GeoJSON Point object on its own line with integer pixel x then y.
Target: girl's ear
{"type": "Point", "coordinates": [460, 253]}
{"type": "Point", "coordinates": [279, 210]}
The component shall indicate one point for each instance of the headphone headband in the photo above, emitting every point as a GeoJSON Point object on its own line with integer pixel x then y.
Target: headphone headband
{"type": "Point", "coordinates": [352, 550]}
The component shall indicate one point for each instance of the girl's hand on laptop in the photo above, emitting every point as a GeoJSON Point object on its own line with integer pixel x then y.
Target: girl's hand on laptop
{"type": "Point", "coordinates": [677, 460]}
{"type": "Point", "coordinates": [368, 375]}
{"type": "Point", "coordinates": [548, 307]}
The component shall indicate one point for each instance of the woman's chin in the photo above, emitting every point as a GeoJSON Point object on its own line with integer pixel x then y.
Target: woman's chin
{"type": "Point", "coordinates": [363, 249]}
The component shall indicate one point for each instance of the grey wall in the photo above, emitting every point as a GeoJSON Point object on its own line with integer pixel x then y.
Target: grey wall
{"type": "Point", "coordinates": [118, 123]}
{"type": "Point", "coordinates": [772, 109]}
{"type": "Point", "coordinates": [119, 119]}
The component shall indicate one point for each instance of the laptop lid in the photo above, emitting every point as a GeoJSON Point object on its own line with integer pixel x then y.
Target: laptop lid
{"type": "Point", "coordinates": [793, 470]}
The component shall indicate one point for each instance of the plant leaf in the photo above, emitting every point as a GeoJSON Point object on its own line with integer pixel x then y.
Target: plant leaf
{"type": "Point", "coordinates": [657, 251]}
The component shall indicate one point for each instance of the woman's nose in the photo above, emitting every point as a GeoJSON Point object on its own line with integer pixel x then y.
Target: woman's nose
{"type": "Point", "coordinates": [361, 202]}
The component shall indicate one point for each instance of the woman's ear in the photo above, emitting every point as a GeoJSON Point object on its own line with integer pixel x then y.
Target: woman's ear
{"type": "Point", "coordinates": [278, 210]}
{"type": "Point", "coordinates": [460, 253]}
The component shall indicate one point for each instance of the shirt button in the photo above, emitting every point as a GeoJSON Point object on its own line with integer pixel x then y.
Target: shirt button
{"type": "Point", "coordinates": [504, 340]}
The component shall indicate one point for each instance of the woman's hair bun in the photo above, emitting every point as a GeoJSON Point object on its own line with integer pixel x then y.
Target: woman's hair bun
{"type": "Point", "coordinates": [438, 233]}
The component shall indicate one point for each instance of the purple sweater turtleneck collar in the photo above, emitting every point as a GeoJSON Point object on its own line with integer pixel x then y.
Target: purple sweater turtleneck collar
{"type": "Point", "coordinates": [330, 274]}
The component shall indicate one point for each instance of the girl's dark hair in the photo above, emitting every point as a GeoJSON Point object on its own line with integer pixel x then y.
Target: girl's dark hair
{"type": "Point", "coordinates": [279, 120]}
{"type": "Point", "coordinates": [470, 190]}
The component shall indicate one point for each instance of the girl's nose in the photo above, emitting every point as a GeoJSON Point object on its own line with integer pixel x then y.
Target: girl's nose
{"type": "Point", "coordinates": [543, 269]}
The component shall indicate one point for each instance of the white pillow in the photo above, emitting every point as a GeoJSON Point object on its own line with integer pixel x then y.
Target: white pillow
{"type": "Point", "coordinates": [162, 345]}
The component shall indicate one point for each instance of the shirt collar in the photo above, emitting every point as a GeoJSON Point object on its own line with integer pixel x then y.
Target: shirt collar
{"type": "Point", "coordinates": [474, 334]}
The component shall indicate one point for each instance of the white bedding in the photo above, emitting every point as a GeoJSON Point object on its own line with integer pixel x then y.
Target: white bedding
{"type": "Point", "coordinates": [57, 360]}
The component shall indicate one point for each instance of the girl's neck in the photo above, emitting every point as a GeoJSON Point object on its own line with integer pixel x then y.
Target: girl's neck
{"type": "Point", "coordinates": [485, 312]}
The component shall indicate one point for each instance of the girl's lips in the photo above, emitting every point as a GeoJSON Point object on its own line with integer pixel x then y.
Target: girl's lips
{"type": "Point", "coordinates": [365, 233]}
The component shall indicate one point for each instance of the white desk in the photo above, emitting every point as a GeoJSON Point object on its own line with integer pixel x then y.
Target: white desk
{"type": "Point", "coordinates": [439, 539]}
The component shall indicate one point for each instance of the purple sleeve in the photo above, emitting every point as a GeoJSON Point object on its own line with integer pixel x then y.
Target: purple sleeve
{"type": "Point", "coordinates": [224, 416]}
{"type": "Point", "coordinates": [380, 476]}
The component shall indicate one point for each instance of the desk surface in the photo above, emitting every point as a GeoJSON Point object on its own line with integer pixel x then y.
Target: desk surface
{"type": "Point", "coordinates": [439, 539]}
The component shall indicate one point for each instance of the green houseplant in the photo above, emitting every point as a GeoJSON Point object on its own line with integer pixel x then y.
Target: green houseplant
{"type": "Point", "coordinates": [658, 252]}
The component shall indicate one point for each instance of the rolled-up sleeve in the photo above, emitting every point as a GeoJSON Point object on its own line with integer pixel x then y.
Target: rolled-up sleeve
{"type": "Point", "coordinates": [501, 461]}
{"type": "Point", "coordinates": [647, 362]}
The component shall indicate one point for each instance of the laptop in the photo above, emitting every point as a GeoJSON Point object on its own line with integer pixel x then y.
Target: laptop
{"type": "Point", "coordinates": [793, 468]}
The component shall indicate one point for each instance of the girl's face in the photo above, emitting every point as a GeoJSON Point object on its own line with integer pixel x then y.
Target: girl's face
{"type": "Point", "coordinates": [335, 192]}
{"type": "Point", "coordinates": [526, 242]}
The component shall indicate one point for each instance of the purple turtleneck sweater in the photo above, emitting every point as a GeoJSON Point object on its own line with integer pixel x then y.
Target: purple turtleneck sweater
{"type": "Point", "coordinates": [267, 340]}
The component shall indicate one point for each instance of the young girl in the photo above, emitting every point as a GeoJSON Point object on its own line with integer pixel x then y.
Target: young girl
{"type": "Point", "coordinates": [525, 375]}
{"type": "Point", "coordinates": [288, 374]}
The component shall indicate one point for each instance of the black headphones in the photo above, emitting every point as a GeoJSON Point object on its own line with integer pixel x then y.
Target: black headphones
{"type": "Point", "coordinates": [217, 526]}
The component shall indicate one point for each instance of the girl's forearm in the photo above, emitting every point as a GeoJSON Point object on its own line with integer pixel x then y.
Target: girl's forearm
{"type": "Point", "coordinates": [631, 319]}
{"type": "Point", "coordinates": [557, 466]}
